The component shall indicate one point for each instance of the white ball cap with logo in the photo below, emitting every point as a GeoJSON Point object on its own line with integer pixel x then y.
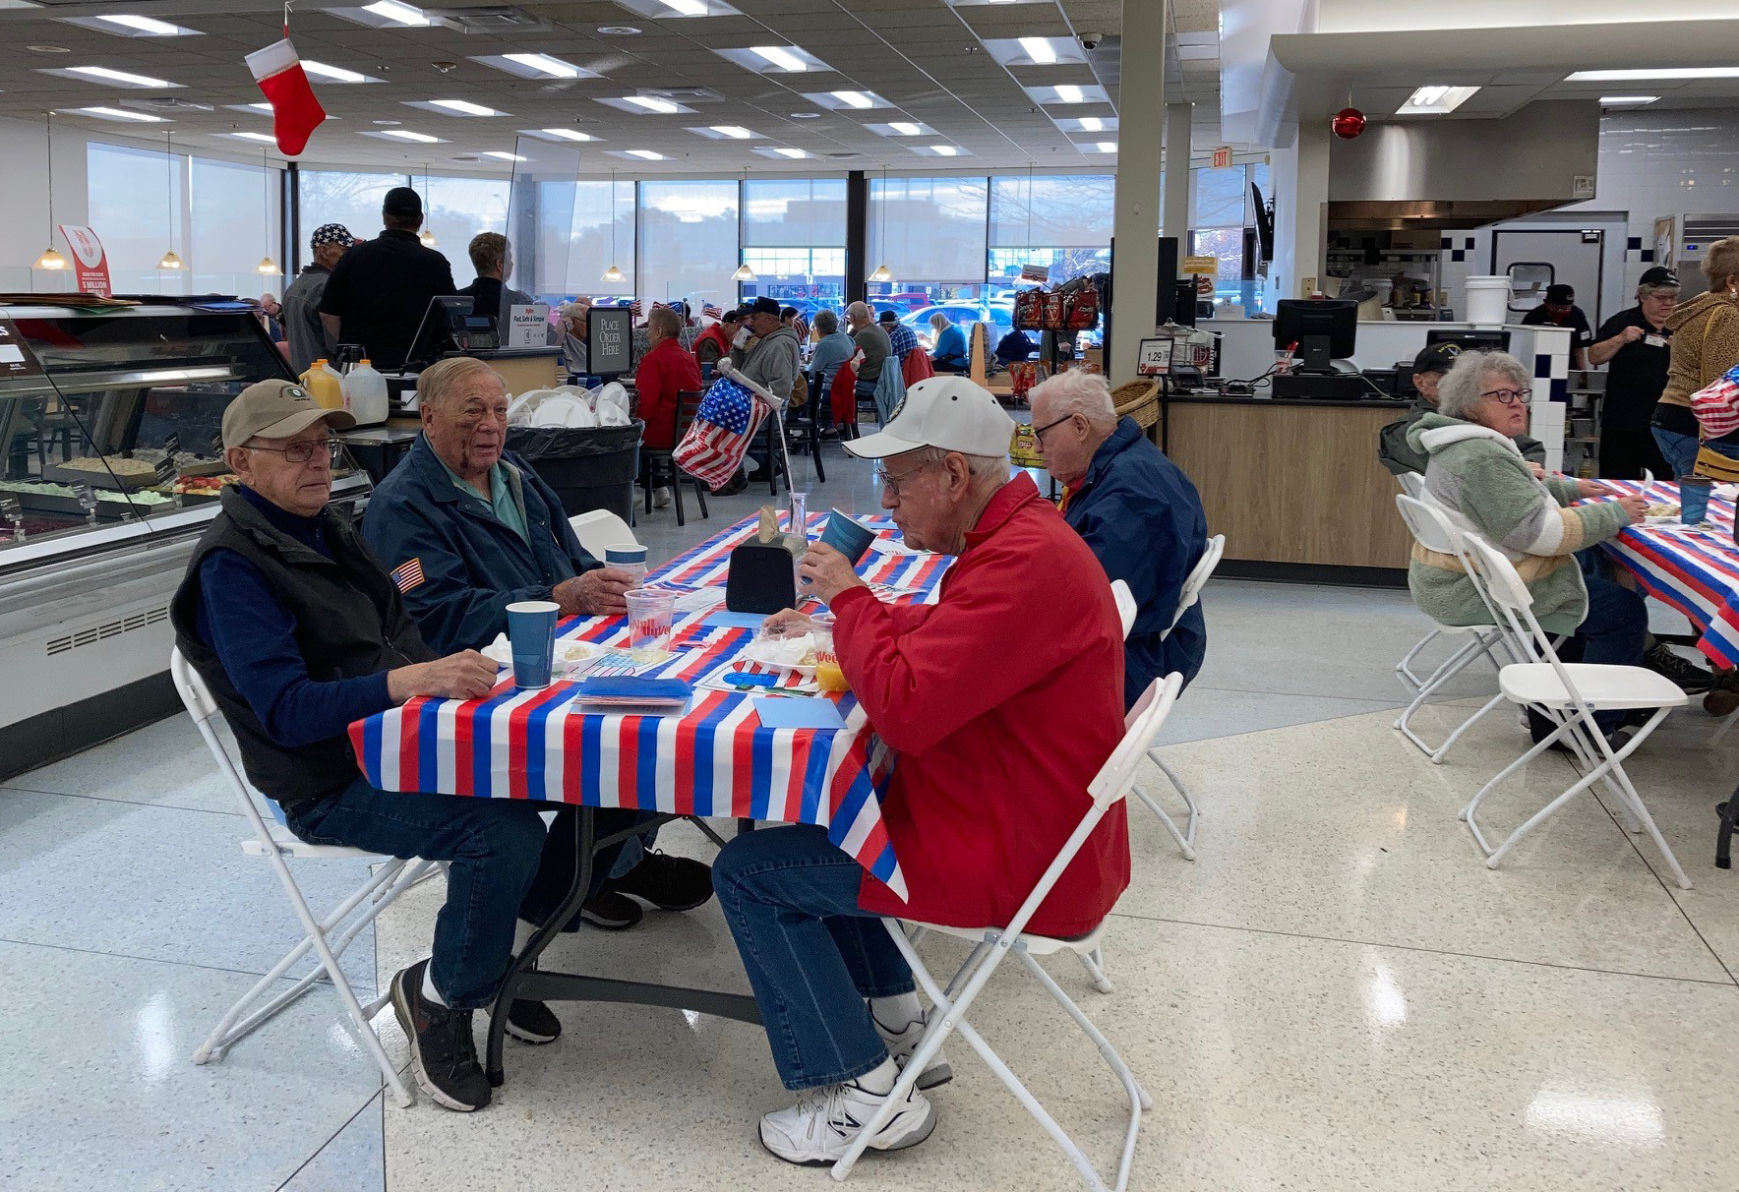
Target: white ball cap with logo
{"type": "Point", "coordinates": [947, 412]}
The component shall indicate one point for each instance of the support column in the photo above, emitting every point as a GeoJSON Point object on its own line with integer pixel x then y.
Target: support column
{"type": "Point", "coordinates": [1300, 175]}
{"type": "Point", "coordinates": [856, 236]}
{"type": "Point", "coordinates": [1177, 175]}
{"type": "Point", "coordinates": [1135, 219]}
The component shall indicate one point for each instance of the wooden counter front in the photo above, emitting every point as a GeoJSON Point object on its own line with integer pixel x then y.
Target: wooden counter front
{"type": "Point", "coordinates": [1292, 482]}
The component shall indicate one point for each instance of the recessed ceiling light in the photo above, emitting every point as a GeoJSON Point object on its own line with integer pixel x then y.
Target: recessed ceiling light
{"type": "Point", "coordinates": [652, 103]}
{"type": "Point", "coordinates": [334, 74]}
{"type": "Point", "coordinates": [48, 49]}
{"type": "Point", "coordinates": [1039, 49]}
{"type": "Point", "coordinates": [565, 134]}
{"type": "Point", "coordinates": [905, 128]}
{"type": "Point", "coordinates": [618, 31]}
{"type": "Point", "coordinates": [789, 151]}
{"type": "Point", "coordinates": [1625, 101]}
{"type": "Point", "coordinates": [735, 132]}
{"type": "Point", "coordinates": [119, 76]}
{"type": "Point", "coordinates": [686, 8]}
{"type": "Point", "coordinates": [805, 115]}
{"type": "Point", "coordinates": [261, 137]}
{"type": "Point", "coordinates": [503, 155]}
{"type": "Point", "coordinates": [781, 57]}
{"type": "Point", "coordinates": [1106, 146]}
{"type": "Point", "coordinates": [1666, 72]}
{"type": "Point", "coordinates": [121, 114]}
{"type": "Point", "coordinates": [149, 26]}
{"type": "Point", "coordinates": [1092, 124]}
{"type": "Point", "coordinates": [405, 134]}
{"type": "Point", "coordinates": [555, 68]}
{"type": "Point", "coordinates": [1069, 93]}
{"type": "Point", "coordinates": [398, 14]}
{"type": "Point", "coordinates": [646, 155]}
{"type": "Point", "coordinates": [384, 123]}
{"type": "Point", "coordinates": [854, 99]}
{"type": "Point", "coordinates": [944, 151]}
{"type": "Point", "coordinates": [464, 107]}
{"type": "Point", "coordinates": [1435, 100]}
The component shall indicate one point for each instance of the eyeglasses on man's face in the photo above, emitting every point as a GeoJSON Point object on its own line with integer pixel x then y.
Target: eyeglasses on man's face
{"type": "Point", "coordinates": [303, 450]}
{"type": "Point", "coordinates": [892, 482]}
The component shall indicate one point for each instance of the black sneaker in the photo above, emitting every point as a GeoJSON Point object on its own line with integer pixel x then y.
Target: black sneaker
{"type": "Point", "coordinates": [1690, 678]}
{"type": "Point", "coordinates": [736, 484]}
{"type": "Point", "coordinates": [532, 1022]}
{"type": "Point", "coordinates": [443, 1054]}
{"type": "Point", "coordinates": [611, 911]}
{"type": "Point", "coordinates": [668, 883]}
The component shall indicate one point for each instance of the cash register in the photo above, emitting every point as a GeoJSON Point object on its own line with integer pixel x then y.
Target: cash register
{"type": "Point", "coordinates": [1321, 334]}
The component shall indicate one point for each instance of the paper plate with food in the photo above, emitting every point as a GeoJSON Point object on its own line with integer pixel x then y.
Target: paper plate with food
{"type": "Point", "coordinates": [794, 652]}
{"type": "Point", "coordinates": [1661, 513]}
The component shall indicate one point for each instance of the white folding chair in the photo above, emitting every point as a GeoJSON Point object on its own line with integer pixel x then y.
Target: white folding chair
{"type": "Point", "coordinates": [1434, 531]}
{"type": "Point", "coordinates": [991, 945]}
{"type": "Point", "coordinates": [598, 528]}
{"type": "Point", "coordinates": [1568, 694]}
{"type": "Point", "coordinates": [1192, 592]}
{"type": "Point", "coordinates": [323, 936]}
{"type": "Point", "coordinates": [1413, 484]}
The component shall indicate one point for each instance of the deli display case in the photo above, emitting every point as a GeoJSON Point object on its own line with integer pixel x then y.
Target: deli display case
{"type": "Point", "coordinates": [110, 468]}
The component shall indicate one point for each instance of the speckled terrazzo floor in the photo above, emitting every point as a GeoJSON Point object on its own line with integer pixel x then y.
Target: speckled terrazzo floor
{"type": "Point", "coordinates": [1337, 995]}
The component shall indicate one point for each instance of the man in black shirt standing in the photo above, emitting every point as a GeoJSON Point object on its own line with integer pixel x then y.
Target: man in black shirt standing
{"type": "Point", "coordinates": [379, 290]}
{"type": "Point", "coordinates": [493, 260]}
{"type": "Point", "coordinates": [1560, 310]}
{"type": "Point", "coordinates": [1636, 345]}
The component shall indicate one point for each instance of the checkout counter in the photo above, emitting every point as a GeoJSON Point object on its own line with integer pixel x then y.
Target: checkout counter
{"type": "Point", "coordinates": [1294, 483]}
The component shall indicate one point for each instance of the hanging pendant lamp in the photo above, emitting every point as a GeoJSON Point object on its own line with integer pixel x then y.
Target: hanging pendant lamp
{"type": "Point", "coordinates": [50, 258]}
{"type": "Point", "coordinates": [169, 260]}
{"type": "Point", "coordinates": [613, 273]}
{"type": "Point", "coordinates": [428, 236]}
{"type": "Point", "coordinates": [882, 272]}
{"type": "Point", "coordinates": [266, 265]}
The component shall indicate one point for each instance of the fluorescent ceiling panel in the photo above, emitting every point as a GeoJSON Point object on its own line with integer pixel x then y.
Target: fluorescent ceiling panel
{"type": "Point", "coordinates": [1435, 100]}
{"type": "Point", "coordinates": [1636, 76]}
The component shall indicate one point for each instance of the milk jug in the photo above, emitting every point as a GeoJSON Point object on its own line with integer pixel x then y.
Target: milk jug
{"type": "Point", "coordinates": [365, 394]}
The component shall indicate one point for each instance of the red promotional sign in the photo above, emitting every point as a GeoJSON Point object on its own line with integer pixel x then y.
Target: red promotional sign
{"type": "Point", "coordinates": [90, 263]}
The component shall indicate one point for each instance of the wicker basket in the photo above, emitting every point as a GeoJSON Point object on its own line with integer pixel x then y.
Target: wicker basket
{"type": "Point", "coordinates": [1138, 400]}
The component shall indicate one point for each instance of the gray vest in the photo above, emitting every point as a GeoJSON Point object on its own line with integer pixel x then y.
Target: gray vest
{"type": "Point", "coordinates": [350, 622]}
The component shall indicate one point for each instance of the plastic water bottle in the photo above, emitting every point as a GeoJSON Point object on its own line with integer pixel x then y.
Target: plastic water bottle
{"type": "Point", "coordinates": [365, 394]}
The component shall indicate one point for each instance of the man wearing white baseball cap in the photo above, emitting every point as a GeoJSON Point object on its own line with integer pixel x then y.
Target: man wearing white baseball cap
{"type": "Point", "coordinates": [1002, 700]}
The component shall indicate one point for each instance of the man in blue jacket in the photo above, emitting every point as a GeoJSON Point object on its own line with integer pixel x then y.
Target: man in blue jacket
{"type": "Point", "coordinates": [466, 530]}
{"type": "Point", "coordinates": [1138, 512]}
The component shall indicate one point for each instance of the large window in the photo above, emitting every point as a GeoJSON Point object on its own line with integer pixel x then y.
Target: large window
{"type": "Point", "coordinates": [456, 209]}
{"type": "Point", "coordinates": [1062, 223]}
{"type": "Point", "coordinates": [135, 204]}
{"type": "Point", "coordinates": [600, 234]}
{"type": "Point", "coordinates": [688, 242]}
{"type": "Point", "coordinates": [1221, 208]}
{"type": "Point", "coordinates": [930, 233]}
{"type": "Point", "coordinates": [336, 196]}
{"type": "Point", "coordinates": [235, 220]}
{"type": "Point", "coordinates": [794, 240]}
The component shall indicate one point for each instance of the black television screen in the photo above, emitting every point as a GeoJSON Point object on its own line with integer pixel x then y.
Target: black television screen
{"type": "Point", "coordinates": [1324, 330]}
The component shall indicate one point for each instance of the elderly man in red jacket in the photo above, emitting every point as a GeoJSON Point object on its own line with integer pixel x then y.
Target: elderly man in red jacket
{"type": "Point", "coordinates": [1001, 700]}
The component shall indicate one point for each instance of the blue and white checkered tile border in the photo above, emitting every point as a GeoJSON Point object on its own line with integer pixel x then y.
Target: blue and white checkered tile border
{"type": "Point", "coordinates": [1634, 251]}
{"type": "Point", "coordinates": [1452, 253]}
{"type": "Point", "coordinates": [1552, 375]}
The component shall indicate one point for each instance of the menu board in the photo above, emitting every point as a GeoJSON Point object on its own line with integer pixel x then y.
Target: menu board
{"type": "Point", "coordinates": [609, 338]}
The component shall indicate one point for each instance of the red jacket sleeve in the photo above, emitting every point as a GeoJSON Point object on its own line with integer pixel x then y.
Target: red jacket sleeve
{"type": "Point", "coordinates": [923, 671]}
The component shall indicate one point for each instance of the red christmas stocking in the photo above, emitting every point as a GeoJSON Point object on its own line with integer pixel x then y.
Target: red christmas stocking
{"type": "Point", "coordinates": [295, 111]}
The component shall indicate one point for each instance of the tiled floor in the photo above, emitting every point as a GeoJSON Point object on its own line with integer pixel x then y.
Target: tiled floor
{"type": "Point", "coordinates": [1337, 995]}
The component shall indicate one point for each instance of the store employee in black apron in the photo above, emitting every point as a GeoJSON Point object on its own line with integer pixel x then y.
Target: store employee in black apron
{"type": "Point", "coordinates": [1636, 346]}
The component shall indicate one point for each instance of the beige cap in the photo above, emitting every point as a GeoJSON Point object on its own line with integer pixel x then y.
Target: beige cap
{"type": "Point", "coordinates": [276, 410]}
{"type": "Point", "coordinates": [947, 412]}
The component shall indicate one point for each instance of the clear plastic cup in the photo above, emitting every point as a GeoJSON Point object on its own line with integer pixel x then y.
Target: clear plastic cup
{"type": "Point", "coordinates": [828, 674]}
{"type": "Point", "coordinates": [650, 616]}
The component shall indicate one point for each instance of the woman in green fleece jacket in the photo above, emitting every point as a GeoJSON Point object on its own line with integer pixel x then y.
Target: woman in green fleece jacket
{"type": "Point", "coordinates": [1479, 478]}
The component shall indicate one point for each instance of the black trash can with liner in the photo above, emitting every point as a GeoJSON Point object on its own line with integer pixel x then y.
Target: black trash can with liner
{"type": "Point", "coordinates": [589, 467]}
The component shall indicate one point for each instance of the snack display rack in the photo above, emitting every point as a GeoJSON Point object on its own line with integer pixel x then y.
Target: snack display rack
{"type": "Point", "coordinates": [109, 470]}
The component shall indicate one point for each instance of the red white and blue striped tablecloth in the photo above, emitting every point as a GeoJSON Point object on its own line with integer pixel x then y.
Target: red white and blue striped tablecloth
{"type": "Point", "coordinates": [716, 760]}
{"type": "Point", "coordinates": [1696, 572]}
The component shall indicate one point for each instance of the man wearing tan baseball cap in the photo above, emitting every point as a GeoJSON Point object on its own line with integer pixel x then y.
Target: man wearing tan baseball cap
{"type": "Point", "coordinates": [298, 631]}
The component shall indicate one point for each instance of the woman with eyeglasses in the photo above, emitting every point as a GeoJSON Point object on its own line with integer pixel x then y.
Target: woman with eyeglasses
{"type": "Point", "coordinates": [1476, 474]}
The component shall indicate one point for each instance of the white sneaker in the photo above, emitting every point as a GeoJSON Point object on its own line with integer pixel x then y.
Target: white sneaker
{"type": "Point", "coordinates": [661, 498]}
{"type": "Point", "coordinates": [821, 1127]}
{"type": "Point", "coordinates": [904, 1044]}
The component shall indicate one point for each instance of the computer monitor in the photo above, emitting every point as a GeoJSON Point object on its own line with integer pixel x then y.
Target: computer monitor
{"type": "Point", "coordinates": [1325, 330]}
{"type": "Point", "coordinates": [1470, 341]}
{"type": "Point", "coordinates": [443, 328]}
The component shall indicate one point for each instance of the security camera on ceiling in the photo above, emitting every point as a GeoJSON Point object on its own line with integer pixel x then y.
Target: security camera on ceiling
{"type": "Point", "coordinates": [1089, 41]}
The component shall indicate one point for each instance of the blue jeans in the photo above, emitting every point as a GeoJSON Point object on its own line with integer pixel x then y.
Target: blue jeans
{"type": "Point", "coordinates": [1681, 450]}
{"type": "Point", "coordinates": [1615, 631]}
{"type": "Point", "coordinates": [790, 897]}
{"type": "Point", "coordinates": [502, 866]}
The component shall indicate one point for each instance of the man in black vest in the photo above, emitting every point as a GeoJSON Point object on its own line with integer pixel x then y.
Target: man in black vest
{"type": "Point", "coordinates": [298, 631]}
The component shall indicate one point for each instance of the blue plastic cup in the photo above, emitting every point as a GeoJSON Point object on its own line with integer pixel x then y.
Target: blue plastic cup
{"type": "Point", "coordinates": [847, 535]}
{"type": "Point", "coordinates": [531, 634]}
{"type": "Point", "coordinates": [1694, 499]}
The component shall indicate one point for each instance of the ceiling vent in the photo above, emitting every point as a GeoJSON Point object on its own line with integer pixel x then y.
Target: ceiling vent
{"type": "Point", "coordinates": [167, 103]}
{"type": "Point", "coordinates": [490, 19]}
{"type": "Point", "coordinates": [683, 94]}
{"type": "Point", "coordinates": [838, 153]}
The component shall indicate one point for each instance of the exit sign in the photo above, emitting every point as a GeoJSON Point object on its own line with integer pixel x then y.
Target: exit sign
{"type": "Point", "coordinates": [1222, 157]}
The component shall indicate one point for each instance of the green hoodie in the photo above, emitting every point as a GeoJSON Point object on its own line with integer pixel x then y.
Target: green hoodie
{"type": "Point", "coordinates": [1480, 480]}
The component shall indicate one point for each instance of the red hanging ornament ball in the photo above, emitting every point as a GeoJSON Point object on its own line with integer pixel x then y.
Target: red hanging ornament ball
{"type": "Point", "coordinates": [1348, 123]}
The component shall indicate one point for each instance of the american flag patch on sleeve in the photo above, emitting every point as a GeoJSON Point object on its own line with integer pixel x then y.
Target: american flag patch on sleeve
{"type": "Point", "coordinates": [408, 574]}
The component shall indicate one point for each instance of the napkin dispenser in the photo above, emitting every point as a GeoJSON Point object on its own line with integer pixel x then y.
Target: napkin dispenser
{"type": "Point", "coordinates": [762, 578]}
